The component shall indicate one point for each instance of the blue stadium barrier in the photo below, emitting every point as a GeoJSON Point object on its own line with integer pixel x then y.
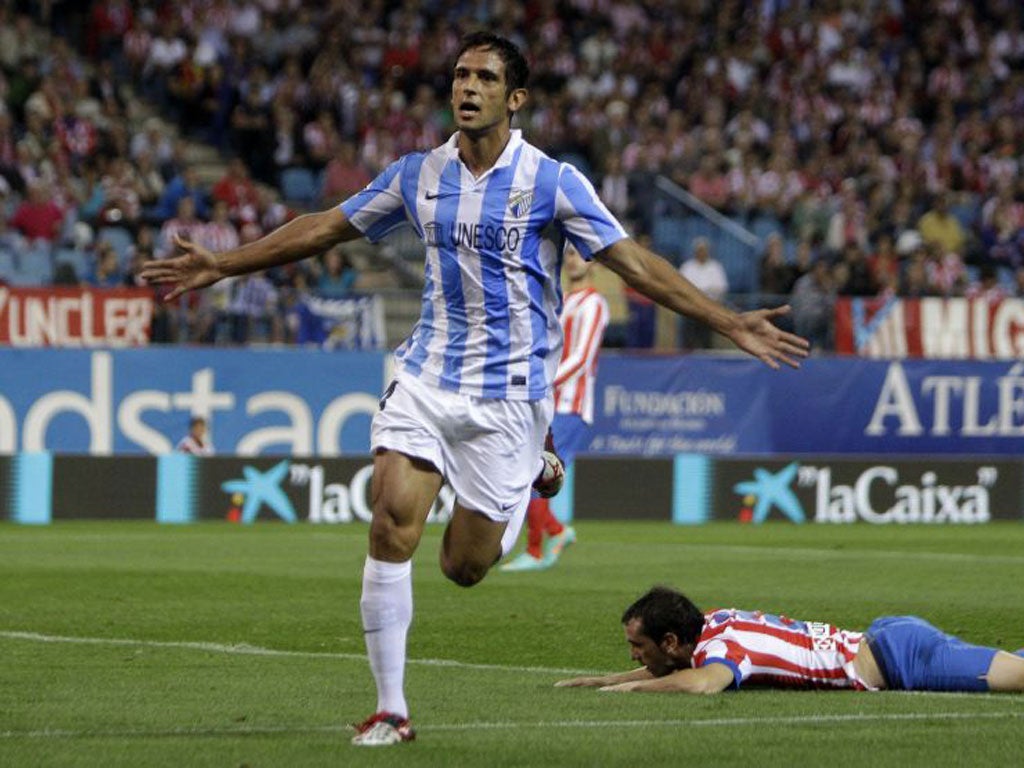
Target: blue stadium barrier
{"type": "Point", "coordinates": [673, 238]}
{"type": "Point", "coordinates": [578, 160]}
{"type": "Point", "coordinates": [670, 237]}
{"type": "Point", "coordinates": [764, 225]}
{"type": "Point", "coordinates": [740, 262]}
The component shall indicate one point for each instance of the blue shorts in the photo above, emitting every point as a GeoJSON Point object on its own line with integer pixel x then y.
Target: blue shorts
{"type": "Point", "coordinates": [570, 433]}
{"type": "Point", "coordinates": [915, 656]}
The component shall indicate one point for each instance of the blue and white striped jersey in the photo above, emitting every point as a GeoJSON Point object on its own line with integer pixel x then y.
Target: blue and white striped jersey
{"type": "Point", "coordinates": [489, 321]}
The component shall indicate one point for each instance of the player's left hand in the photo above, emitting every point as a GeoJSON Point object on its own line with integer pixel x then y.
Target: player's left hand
{"type": "Point", "coordinates": [757, 334]}
{"type": "Point", "coordinates": [196, 267]}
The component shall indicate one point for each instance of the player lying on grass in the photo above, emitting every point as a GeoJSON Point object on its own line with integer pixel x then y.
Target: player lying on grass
{"type": "Point", "coordinates": [682, 649]}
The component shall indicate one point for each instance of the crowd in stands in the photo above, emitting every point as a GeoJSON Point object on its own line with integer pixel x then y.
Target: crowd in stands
{"type": "Point", "coordinates": [874, 146]}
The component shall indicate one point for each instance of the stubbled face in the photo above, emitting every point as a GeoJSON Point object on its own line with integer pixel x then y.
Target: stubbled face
{"type": "Point", "coordinates": [647, 652]}
{"type": "Point", "coordinates": [479, 102]}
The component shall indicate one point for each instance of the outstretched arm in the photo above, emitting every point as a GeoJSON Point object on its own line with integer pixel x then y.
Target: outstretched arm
{"type": "Point", "coordinates": [641, 673]}
{"type": "Point", "coordinates": [711, 678]}
{"type": "Point", "coordinates": [753, 332]}
{"type": "Point", "coordinates": [300, 238]}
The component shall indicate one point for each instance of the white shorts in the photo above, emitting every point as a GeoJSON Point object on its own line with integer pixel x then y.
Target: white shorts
{"type": "Point", "coordinates": [488, 450]}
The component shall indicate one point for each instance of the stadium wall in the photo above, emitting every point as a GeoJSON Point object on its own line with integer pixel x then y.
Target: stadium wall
{"type": "Point", "coordinates": [90, 433]}
{"type": "Point", "coordinates": [298, 402]}
{"type": "Point", "coordinates": [38, 488]}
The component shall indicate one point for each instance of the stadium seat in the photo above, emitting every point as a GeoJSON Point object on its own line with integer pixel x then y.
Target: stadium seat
{"type": "Point", "coordinates": [81, 261]}
{"type": "Point", "coordinates": [35, 267]}
{"type": "Point", "coordinates": [299, 185]}
{"type": "Point", "coordinates": [120, 238]}
{"type": "Point", "coordinates": [7, 266]}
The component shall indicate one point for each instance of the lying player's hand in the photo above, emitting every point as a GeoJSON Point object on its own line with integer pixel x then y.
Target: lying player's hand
{"type": "Point", "coordinates": [580, 682]}
{"type": "Point", "coordinates": [630, 685]}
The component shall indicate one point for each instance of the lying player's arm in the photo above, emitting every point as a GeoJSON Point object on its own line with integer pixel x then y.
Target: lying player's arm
{"type": "Point", "coordinates": [640, 673]}
{"type": "Point", "coordinates": [304, 236]}
{"type": "Point", "coordinates": [710, 678]}
{"type": "Point", "coordinates": [655, 278]}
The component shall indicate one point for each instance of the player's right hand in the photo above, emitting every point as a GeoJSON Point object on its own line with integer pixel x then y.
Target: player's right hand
{"type": "Point", "coordinates": [195, 268]}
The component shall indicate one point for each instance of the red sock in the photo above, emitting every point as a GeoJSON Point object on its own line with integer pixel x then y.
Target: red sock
{"type": "Point", "coordinates": [547, 518]}
{"type": "Point", "coordinates": [535, 514]}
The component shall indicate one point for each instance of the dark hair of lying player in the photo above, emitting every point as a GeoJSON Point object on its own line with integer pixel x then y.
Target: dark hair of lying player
{"type": "Point", "coordinates": [662, 611]}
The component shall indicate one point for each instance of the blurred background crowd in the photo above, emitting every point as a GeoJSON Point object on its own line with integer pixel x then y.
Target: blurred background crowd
{"type": "Point", "coordinates": [774, 149]}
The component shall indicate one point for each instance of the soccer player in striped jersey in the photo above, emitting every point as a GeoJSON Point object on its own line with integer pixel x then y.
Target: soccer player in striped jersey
{"type": "Point", "coordinates": [681, 649]}
{"type": "Point", "coordinates": [472, 399]}
{"type": "Point", "coordinates": [584, 319]}
{"type": "Point", "coordinates": [197, 441]}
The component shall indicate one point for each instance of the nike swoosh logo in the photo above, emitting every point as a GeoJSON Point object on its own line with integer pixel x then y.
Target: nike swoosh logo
{"type": "Point", "coordinates": [432, 196]}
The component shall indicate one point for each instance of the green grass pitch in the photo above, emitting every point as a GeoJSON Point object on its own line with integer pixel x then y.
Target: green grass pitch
{"type": "Point", "coordinates": [130, 644]}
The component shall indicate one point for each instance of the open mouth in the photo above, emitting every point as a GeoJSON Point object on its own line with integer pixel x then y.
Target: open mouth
{"type": "Point", "coordinates": [468, 109]}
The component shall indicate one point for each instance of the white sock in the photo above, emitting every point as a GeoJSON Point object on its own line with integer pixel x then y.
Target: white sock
{"type": "Point", "coordinates": [386, 607]}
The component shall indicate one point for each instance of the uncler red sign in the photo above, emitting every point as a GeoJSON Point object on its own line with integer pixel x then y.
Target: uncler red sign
{"type": "Point", "coordinates": [75, 317]}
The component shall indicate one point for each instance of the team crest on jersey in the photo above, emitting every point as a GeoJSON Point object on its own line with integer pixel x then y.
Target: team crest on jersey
{"type": "Point", "coordinates": [519, 202]}
{"type": "Point", "coordinates": [431, 232]}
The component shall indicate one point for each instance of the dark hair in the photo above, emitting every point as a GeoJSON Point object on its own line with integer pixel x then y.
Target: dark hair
{"type": "Point", "coordinates": [663, 610]}
{"type": "Point", "coordinates": [517, 71]}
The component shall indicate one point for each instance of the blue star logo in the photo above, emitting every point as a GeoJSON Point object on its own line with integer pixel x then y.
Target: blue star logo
{"type": "Point", "coordinates": [773, 490]}
{"type": "Point", "coordinates": [261, 488]}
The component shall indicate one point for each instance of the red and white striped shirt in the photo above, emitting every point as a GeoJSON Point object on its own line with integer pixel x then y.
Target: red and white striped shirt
{"type": "Point", "coordinates": [218, 236]}
{"type": "Point", "coordinates": [189, 444]}
{"type": "Point", "coordinates": [584, 318]}
{"type": "Point", "coordinates": [762, 649]}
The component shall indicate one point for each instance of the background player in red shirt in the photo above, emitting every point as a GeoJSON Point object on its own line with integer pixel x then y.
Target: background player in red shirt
{"type": "Point", "coordinates": [584, 318]}
{"type": "Point", "coordinates": [682, 649]}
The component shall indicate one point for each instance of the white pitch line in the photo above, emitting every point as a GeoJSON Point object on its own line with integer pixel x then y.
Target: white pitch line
{"type": "Point", "coordinates": [731, 721]}
{"type": "Point", "coordinates": [793, 720]}
{"type": "Point", "coordinates": [243, 649]}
